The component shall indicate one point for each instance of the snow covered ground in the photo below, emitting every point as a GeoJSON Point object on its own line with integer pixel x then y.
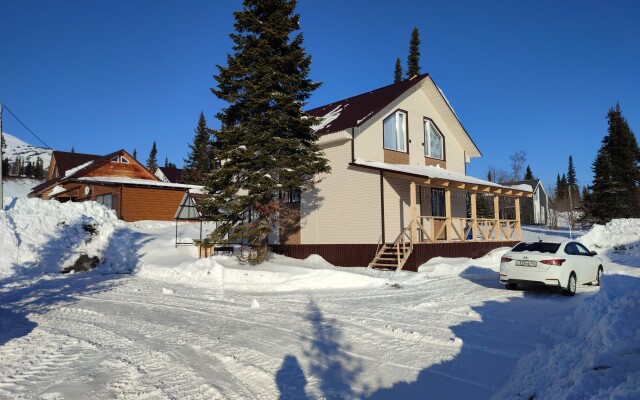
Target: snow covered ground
{"type": "Point", "coordinates": [179, 327]}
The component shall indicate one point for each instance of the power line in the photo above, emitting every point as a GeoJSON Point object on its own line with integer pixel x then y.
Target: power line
{"type": "Point", "coordinates": [26, 127]}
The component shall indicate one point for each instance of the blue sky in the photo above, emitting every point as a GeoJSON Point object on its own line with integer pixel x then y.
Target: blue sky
{"type": "Point", "coordinates": [533, 76]}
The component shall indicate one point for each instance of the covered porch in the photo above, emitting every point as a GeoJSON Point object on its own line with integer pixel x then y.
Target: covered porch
{"type": "Point", "coordinates": [433, 219]}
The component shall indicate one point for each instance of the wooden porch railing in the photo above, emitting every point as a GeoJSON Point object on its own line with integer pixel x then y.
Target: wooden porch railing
{"type": "Point", "coordinates": [434, 229]}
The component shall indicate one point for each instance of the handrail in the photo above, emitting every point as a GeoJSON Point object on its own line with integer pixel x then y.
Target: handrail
{"type": "Point", "coordinates": [465, 229]}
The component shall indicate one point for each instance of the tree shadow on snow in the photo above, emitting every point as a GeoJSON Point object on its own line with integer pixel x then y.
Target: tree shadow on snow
{"type": "Point", "coordinates": [490, 344]}
{"type": "Point", "coordinates": [32, 291]}
{"type": "Point", "coordinates": [329, 363]}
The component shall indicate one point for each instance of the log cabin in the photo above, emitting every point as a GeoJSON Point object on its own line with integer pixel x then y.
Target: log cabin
{"type": "Point", "coordinates": [116, 180]}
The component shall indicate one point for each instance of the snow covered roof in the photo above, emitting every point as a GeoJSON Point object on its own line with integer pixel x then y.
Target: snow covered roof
{"type": "Point", "coordinates": [425, 171]}
{"type": "Point", "coordinates": [169, 173]}
{"type": "Point", "coordinates": [131, 181]}
{"type": "Point", "coordinates": [534, 183]}
{"type": "Point", "coordinates": [67, 161]}
{"type": "Point", "coordinates": [73, 170]}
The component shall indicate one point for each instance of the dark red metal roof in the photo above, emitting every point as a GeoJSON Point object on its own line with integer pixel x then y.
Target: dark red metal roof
{"type": "Point", "coordinates": [172, 174]}
{"type": "Point", "coordinates": [357, 109]}
{"type": "Point", "coordinates": [66, 161]}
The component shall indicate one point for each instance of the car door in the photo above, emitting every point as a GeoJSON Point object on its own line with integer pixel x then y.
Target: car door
{"type": "Point", "coordinates": [589, 263]}
{"type": "Point", "coordinates": [574, 261]}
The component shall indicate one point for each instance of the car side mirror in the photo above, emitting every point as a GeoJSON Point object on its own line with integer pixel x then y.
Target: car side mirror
{"type": "Point", "coordinates": [593, 253]}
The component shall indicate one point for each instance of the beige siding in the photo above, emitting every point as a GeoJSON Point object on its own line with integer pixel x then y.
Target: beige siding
{"type": "Point", "coordinates": [418, 105]}
{"type": "Point", "coordinates": [397, 207]}
{"type": "Point", "coordinates": [345, 206]}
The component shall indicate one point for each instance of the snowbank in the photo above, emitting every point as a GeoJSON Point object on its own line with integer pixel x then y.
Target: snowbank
{"type": "Point", "coordinates": [38, 236]}
{"type": "Point", "coordinates": [618, 232]}
{"type": "Point", "coordinates": [597, 350]}
{"type": "Point", "coordinates": [281, 274]}
{"type": "Point", "coordinates": [598, 355]}
{"type": "Point", "coordinates": [441, 266]}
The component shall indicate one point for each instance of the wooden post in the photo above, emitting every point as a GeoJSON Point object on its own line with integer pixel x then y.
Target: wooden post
{"type": "Point", "coordinates": [414, 213]}
{"type": "Point", "coordinates": [474, 217]}
{"type": "Point", "coordinates": [518, 227]}
{"type": "Point", "coordinates": [447, 213]}
{"type": "Point", "coordinates": [496, 216]}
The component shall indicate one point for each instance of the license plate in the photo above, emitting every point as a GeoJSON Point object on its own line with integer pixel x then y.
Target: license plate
{"type": "Point", "coordinates": [525, 263]}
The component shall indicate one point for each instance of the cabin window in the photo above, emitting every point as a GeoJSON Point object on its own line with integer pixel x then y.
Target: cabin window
{"type": "Point", "coordinates": [108, 200]}
{"type": "Point", "coordinates": [115, 159]}
{"type": "Point", "coordinates": [433, 141]}
{"type": "Point", "coordinates": [395, 131]}
{"type": "Point", "coordinates": [437, 202]}
{"type": "Point", "coordinates": [105, 199]}
{"type": "Point", "coordinates": [291, 196]}
{"type": "Point", "coordinates": [124, 160]}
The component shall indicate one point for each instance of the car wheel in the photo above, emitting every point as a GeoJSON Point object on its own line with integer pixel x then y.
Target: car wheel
{"type": "Point", "coordinates": [571, 286]}
{"type": "Point", "coordinates": [597, 281]}
{"type": "Point", "coordinates": [511, 286]}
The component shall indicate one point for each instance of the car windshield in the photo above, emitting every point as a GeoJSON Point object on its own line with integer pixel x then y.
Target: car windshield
{"type": "Point", "coordinates": [542, 247]}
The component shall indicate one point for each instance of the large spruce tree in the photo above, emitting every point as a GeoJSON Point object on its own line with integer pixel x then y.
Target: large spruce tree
{"type": "Point", "coordinates": [199, 162]}
{"type": "Point", "coordinates": [616, 169]}
{"type": "Point", "coordinates": [413, 61]}
{"type": "Point", "coordinates": [266, 143]}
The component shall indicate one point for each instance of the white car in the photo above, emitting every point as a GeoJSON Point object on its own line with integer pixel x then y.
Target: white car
{"type": "Point", "coordinates": [563, 265]}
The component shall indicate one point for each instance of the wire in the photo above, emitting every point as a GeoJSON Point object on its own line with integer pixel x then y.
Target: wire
{"type": "Point", "coordinates": [26, 127]}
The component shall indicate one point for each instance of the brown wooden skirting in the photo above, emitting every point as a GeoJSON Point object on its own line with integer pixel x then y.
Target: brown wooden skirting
{"type": "Point", "coordinates": [360, 255]}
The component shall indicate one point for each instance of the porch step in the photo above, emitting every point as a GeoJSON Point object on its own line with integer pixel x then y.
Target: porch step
{"type": "Point", "coordinates": [387, 257]}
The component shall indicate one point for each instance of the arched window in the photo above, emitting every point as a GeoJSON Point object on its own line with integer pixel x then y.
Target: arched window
{"type": "Point", "coordinates": [433, 141]}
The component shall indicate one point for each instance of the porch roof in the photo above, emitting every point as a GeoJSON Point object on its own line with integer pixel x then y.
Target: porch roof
{"type": "Point", "coordinates": [436, 176]}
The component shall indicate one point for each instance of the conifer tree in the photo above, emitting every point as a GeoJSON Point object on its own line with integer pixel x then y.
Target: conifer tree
{"type": "Point", "coordinates": [528, 175]}
{"type": "Point", "coordinates": [413, 61]}
{"type": "Point", "coordinates": [572, 182]}
{"type": "Point", "coordinates": [38, 170]}
{"type": "Point", "coordinates": [266, 142]}
{"type": "Point", "coordinates": [152, 162]}
{"type": "Point", "coordinates": [616, 169]}
{"type": "Point", "coordinates": [397, 73]}
{"type": "Point", "coordinates": [199, 161]}
{"type": "Point", "coordinates": [135, 154]}
{"type": "Point", "coordinates": [73, 149]}
{"type": "Point", "coordinates": [5, 167]}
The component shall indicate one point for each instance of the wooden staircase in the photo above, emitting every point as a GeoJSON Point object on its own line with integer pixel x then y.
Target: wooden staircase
{"type": "Point", "coordinates": [396, 254]}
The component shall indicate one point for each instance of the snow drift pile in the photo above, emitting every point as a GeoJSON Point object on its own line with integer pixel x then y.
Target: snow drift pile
{"type": "Point", "coordinates": [617, 233]}
{"type": "Point", "coordinates": [598, 350]}
{"type": "Point", "coordinates": [39, 236]}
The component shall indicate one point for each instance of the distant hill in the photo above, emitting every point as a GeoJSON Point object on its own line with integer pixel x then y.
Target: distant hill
{"type": "Point", "coordinates": [18, 148]}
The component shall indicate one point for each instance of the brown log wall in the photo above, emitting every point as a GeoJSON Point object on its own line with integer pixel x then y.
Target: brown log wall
{"type": "Point", "coordinates": [148, 203]}
{"type": "Point", "coordinates": [360, 255]}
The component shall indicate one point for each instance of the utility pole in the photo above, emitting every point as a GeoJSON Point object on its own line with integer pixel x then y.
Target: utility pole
{"type": "Point", "coordinates": [1, 180]}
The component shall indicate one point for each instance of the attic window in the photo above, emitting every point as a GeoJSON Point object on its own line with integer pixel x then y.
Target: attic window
{"type": "Point", "coordinates": [395, 131]}
{"type": "Point", "coordinates": [433, 141]}
{"type": "Point", "coordinates": [115, 159]}
{"type": "Point", "coordinates": [124, 160]}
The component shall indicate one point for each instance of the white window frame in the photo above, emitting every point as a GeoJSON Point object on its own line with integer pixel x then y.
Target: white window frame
{"type": "Point", "coordinates": [400, 140]}
{"type": "Point", "coordinates": [429, 129]}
